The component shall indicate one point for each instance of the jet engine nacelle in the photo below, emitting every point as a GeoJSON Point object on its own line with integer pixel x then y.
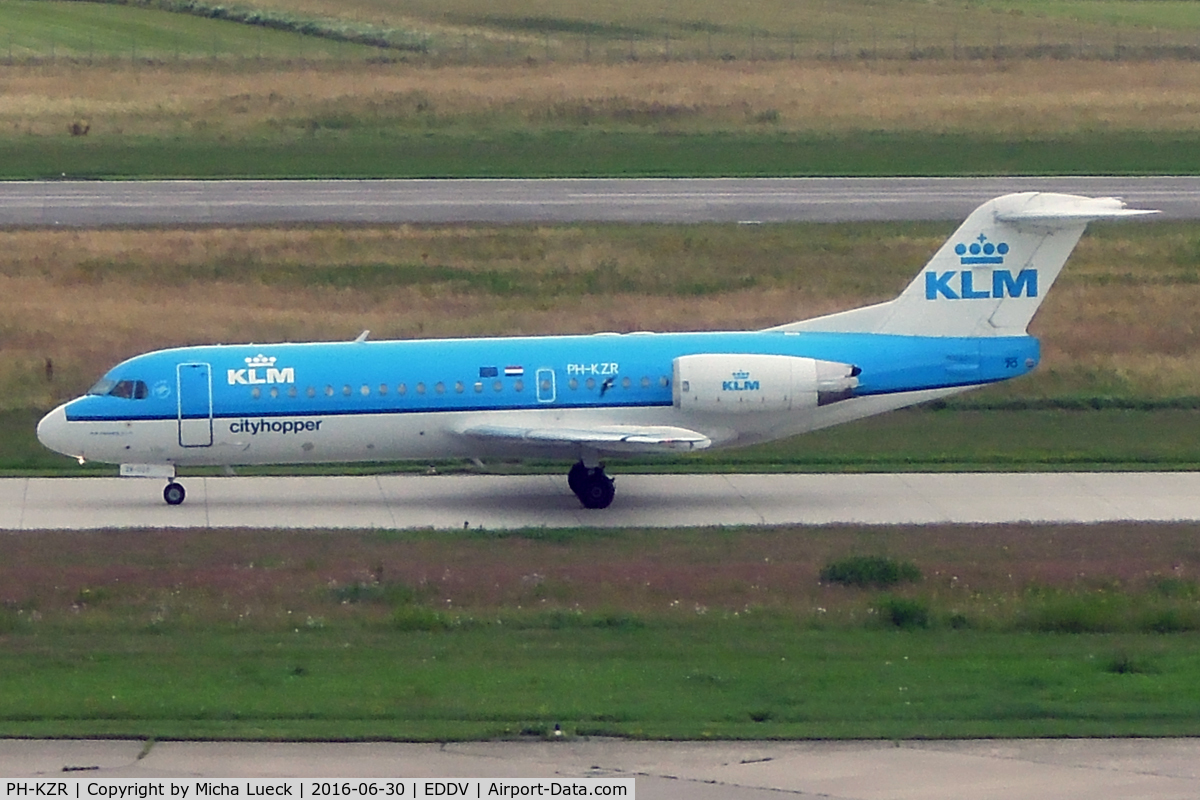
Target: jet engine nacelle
{"type": "Point", "coordinates": [730, 383]}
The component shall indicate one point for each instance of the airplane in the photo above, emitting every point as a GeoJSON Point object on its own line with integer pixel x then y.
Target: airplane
{"type": "Point", "coordinates": [960, 324]}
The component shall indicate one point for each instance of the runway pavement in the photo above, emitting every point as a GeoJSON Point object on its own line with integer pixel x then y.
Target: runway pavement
{"type": "Point", "coordinates": [496, 502]}
{"type": "Point", "coordinates": [248, 202]}
{"type": "Point", "coordinates": [1164, 769]}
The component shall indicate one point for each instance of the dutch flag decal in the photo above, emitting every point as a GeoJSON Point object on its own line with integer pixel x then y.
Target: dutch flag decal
{"type": "Point", "coordinates": [514, 372]}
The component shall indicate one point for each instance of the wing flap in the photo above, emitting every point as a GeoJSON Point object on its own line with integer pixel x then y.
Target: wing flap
{"type": "Point", "coordinates": [606, 438]}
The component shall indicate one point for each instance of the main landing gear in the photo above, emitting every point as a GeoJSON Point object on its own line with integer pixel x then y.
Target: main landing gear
{"type": "Point", "coordinates": [593, 488]}
{"type": "Point", "coordinates": [174, 493]}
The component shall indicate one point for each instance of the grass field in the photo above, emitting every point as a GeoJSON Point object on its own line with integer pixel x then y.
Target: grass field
{"type": "Point", "coordinates": [713, 118]}
{"type": "Point", "coordinates": [149, 93]}
{"type": "Point", "coordinates": [515, 30]}
{"type": "Point", "coordinates": [287, 102]}
{"type": "Point", "coordinates": [593, 155]}
{"type": "Point", "coordinates": [90, 32]}
{"type": "Point", "coordinates": [1009, 631]}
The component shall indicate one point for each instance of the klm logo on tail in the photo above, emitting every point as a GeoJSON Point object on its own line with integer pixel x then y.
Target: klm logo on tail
{"type": "Point", "coordinates": [981, 251]}
{"type": "Point", "coordinates": [956, 285]}
{"type": "Point", "coordinates": [968, 284]}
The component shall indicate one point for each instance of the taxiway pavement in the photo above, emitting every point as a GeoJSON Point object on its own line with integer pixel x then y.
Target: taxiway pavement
{"type": "Point", "coordinates": [1153, 769]}
{"type": "Point", "coordinates": [677, 200]}
{"type": "Point", "coordinates": [509, 502]}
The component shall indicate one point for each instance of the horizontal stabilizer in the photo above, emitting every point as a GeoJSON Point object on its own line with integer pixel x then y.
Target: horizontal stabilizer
{"type": "Point", "coordinates": [1058, 211]}
{"type": "Point", "coordinates": [607, 438]}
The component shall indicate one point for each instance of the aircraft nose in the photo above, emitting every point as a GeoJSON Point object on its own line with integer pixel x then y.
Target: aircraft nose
{"type": "Point", "coordinates": [52, 432]}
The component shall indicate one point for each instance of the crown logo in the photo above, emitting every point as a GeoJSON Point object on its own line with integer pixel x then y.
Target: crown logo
{"type": "Point", "coordinates": [260, 361]}
{"type": "Point", "coordinates": [741, 376]}
{"type": "Point", "coordinates": [981, 251]}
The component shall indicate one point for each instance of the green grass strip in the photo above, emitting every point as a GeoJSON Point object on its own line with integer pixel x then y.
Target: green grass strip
{"type": "Point", "coordinates": [87, 31]}
{"type": "Point", "coordinates": [747, 678]}
{"type": "Point", "coordinates": [372, 153]}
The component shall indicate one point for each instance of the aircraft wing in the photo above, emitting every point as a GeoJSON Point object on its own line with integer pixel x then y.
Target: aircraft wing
{"type": "Point", "coordinates": [605, 438]}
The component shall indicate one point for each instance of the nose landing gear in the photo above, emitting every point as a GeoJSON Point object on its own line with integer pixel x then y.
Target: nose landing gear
{"type": "Point", "coordinates": [174, 493]}
{"type": "Point", "coordinates": [593, 488]}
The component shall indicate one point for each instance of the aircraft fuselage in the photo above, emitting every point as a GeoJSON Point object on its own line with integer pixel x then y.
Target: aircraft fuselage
{"type": "Point", "coordinates": [385, 400]}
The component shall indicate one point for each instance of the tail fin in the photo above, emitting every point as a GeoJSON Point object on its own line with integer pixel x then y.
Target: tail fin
{"type": "Point", "coordinates": [989, 278]}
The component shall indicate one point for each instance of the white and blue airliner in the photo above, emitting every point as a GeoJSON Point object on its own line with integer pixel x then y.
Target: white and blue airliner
{"type": "Point", "coordinates": [960, 324]}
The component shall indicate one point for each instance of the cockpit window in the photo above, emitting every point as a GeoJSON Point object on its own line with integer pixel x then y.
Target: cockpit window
{"type": "Point", "coordinates": [102, 387]}
{"type": "Point", "coordinates": [130, 390]}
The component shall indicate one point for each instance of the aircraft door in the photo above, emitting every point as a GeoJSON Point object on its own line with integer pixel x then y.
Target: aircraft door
{"type": "Point", "coordinates": [194, 383]}
{"type": "Point", "coordinates": [545, 385]}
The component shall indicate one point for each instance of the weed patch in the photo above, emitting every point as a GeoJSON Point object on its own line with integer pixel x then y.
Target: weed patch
{"type": "Point", "coordinates": [1124, 663]}
{"type": "Point", "coordinates": [870, 571]}
{"type": "Point", "coordinates": [904, 613]}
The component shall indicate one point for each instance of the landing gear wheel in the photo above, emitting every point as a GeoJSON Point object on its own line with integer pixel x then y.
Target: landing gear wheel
{"type": "Point", "coordinates": [577, 476]}
{"type": "Point", "coordinates": [593, 488]}
{"type": "Point", "coordinates": [174, 494]}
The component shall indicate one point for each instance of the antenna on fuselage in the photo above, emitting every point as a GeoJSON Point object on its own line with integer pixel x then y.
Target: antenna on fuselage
{"type": "Point", "coordinates": [362, 337]}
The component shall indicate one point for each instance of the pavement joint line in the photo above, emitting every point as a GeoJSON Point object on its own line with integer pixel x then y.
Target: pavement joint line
{"type": "Point", "coordinates": [24, 498]}
{"type": "Point", "coordinates": [387, 503]}
{"type": "Point", "coordinates": [915, 488]}
{"type": "Point", "coordinates": [728, 478]}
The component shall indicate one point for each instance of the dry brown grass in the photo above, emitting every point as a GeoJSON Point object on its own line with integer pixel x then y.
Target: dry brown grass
{"type": "Point", "coordinates": [245, 576]}
{"type": "Point", "coordinates": [1024, 97]}
{"type": "Point", "coordinates": [1121, 319]}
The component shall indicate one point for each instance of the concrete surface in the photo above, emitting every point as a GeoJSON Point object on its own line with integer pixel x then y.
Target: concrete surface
{"type": "Point", "coordinates": [496, 502]}
{"type": "Point", "coordinates": [950, 770]}
{"type": "Point", "coordinates": [251, 202]}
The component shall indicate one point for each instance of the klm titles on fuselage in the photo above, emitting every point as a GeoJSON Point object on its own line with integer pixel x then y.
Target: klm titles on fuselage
{"type": "Point", "coordinates": [259, 370]}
